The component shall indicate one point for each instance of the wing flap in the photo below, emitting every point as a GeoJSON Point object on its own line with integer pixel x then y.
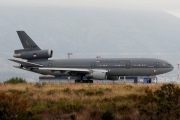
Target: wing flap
{"type": "Point", "coordinates": [66, 69]}
{"type": "Point", "coordinates": [27, 64]}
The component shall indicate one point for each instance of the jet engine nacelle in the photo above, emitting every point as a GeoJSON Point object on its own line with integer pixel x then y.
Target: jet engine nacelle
{"type": "Point", "coordinates": [100, 75]}
{"type": "Point", "coordinates": [38, 54]}
{"type": "Point", "coordinates": [112, 77]}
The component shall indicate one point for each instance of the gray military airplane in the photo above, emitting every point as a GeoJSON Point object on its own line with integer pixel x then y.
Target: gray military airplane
{"type": "Point", "coordinates": [99, 68]}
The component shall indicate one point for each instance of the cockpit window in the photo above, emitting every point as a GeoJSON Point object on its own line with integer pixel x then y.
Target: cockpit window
{"type": "Point", "coordinates": [166, 64]}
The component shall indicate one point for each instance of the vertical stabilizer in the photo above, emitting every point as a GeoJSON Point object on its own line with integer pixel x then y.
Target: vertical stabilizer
{"type": "Point", "coordinates": [27, 42]}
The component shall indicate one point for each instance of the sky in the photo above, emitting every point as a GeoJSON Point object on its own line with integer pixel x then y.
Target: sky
{"type": "Point", "coordinates": [170, 6]}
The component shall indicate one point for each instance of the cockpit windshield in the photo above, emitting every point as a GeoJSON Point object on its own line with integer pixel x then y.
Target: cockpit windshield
{"type": "Point", "coordinates": [166, 64]}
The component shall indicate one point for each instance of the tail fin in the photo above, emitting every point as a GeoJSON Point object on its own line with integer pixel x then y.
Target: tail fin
{"type": "Point", "coordinates": [31, 49]}
{"type": "Point", "coordinates": [27, 42]}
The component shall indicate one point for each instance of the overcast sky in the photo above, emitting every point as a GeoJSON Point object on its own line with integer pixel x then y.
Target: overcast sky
{"type": "Point", "coordinates": [171, 6]}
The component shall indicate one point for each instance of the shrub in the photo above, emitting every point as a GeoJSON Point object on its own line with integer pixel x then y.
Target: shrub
{"type": "Point", "coordinates": [39, 85]}
{"type": "Point", "coordinates": [37, 106]}
{"type": "Point", "coordinates": [162, 103]}
{"type": "Point", "coordinates": [108, 89]}
{"type": "Point", "coordinates": [66, 106]}
{"type": "Point", "coordinates": [132, 96]}
{"type": "Point", "coordinates": [118, 98]}
{"type": "Point", "coordinates": [123, 108]}
{"type": "Point", "coordinates": [50, 104]}
{"type": "Point", "coordinates": [14, 107]}
{"type": "Point", "coordinates": [51, 92]}
{"type": "Point", "coordinates": [15, 80]}
{"type": "Point", "coordinates": [67, 90]}
{"type": "Point", "coordinates": [93, 92]}
{"type": "Point", "coordinates": [89, 92]}
{"type": "Point", "coordinates": [108, 106]}
{"type": "Point", "coordinates": [79, 91]}
{"type": "Point", "coordinates": [106, 99]}
{"type": "Point", "coordinates": [99, 92]}
{"type": "Point", "coordinates": [108, 115]}
{"type": "Point", "coordinates": [73, 106]}
{"type": "Point", "coordinates": [16, 91]}
{"type": "Point", "coordinates": [127, 87]}
{"type": "Point", "coordinates": [95, 115]}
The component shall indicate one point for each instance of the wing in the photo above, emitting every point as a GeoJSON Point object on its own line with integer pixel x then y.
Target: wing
{"type": "Point", "coordinates": [40, 67]}
{"type": "Point", "coordinates": [82, 70]}
{"type": "Point", "coordinates": [26, 64]}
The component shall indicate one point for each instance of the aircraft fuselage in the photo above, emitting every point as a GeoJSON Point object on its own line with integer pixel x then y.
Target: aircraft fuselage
{"type": "Point", "coordinates": [114, 66]}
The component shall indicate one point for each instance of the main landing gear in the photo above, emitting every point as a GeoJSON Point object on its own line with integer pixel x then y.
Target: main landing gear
{"type": "Point", "coordinates": [80, 79]}
{"type": "Point", "coordinates": [83, 81]}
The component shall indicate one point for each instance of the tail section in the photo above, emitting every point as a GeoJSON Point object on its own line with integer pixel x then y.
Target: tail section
{"type": "Point", "coordinates": [27, 42]}
{"type": "Point", "coordinates": [31, 49]}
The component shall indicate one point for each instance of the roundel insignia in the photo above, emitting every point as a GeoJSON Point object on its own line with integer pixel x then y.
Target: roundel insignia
{"type": "Point", "coordinates": [34, 54]}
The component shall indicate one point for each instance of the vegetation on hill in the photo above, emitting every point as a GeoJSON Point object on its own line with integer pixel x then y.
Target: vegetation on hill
{"type": "Point", "coordinates": [90, 101]}
{"type": "Point", "coordinates": [15, 80]}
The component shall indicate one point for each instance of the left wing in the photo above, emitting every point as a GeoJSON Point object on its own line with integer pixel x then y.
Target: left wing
{"type": "Point", "coordinates": [73, 69]}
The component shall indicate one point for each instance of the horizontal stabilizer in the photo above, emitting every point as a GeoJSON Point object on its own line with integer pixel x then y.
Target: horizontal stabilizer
{"type": "Point", "coordinates": [26, 64]}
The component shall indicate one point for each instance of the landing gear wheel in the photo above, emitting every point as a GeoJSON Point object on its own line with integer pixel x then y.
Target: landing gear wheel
{"type": "Point", "coordinates": [78, 81]}
{"type": "Point", "coordinates": [83, 81]}
{"type": "Point", "coordinates": [90, 81]}
{"type": "Point", "coordinates": [87, 81]}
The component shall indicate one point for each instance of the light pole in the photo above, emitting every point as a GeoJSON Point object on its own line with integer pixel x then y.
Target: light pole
{"type": "Point", "coordinates": [98, 56]}
{"type": "Point", "coordinates": [69, 55]}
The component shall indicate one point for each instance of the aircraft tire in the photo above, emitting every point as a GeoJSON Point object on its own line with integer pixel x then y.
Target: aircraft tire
{"type": "Point", "coordinates": [77, 81]}
{"type": "Point", "coordinates": [83, 81]}
{"type": "Point", "coordinates": [90, 81]}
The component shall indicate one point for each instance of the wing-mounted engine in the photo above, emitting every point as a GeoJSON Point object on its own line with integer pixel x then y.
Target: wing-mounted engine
{"type": "Point", "coordinates": [98, 74]}
{"type": "Point", "coordinates": [36, 54]}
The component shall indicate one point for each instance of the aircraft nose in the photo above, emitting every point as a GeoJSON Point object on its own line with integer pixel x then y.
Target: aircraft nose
{"type": "Point", "coordinates": [171, 68]}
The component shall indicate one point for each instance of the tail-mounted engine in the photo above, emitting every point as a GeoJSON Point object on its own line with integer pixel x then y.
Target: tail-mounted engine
{"type": "Point", "coordinates": [30, 55]}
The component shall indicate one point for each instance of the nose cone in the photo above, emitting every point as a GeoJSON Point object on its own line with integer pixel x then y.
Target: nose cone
{"type": "Point", "coordinates": [171, 67]}
{"type": "Point", "coordinates": [167, 66]}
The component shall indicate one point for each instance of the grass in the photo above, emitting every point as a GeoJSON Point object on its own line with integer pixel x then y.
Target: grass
{"type": "Point", "coordinates": [84, 101]}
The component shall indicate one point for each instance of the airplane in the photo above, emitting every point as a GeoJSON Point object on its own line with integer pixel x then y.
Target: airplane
{"type": "Point", "coordinates": [98, 68]}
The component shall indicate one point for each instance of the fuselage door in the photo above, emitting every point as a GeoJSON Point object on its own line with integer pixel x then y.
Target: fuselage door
{"type": "Point", "coordinates": [93, 65]}
{"type": "Point", "coordinates": [157, 64]}
{"type": "Point", "coordinates": [128, 65]}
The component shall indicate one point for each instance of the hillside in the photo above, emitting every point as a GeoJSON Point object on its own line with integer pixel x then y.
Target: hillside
{"type": "Point", "coordinates": [90, 32]}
